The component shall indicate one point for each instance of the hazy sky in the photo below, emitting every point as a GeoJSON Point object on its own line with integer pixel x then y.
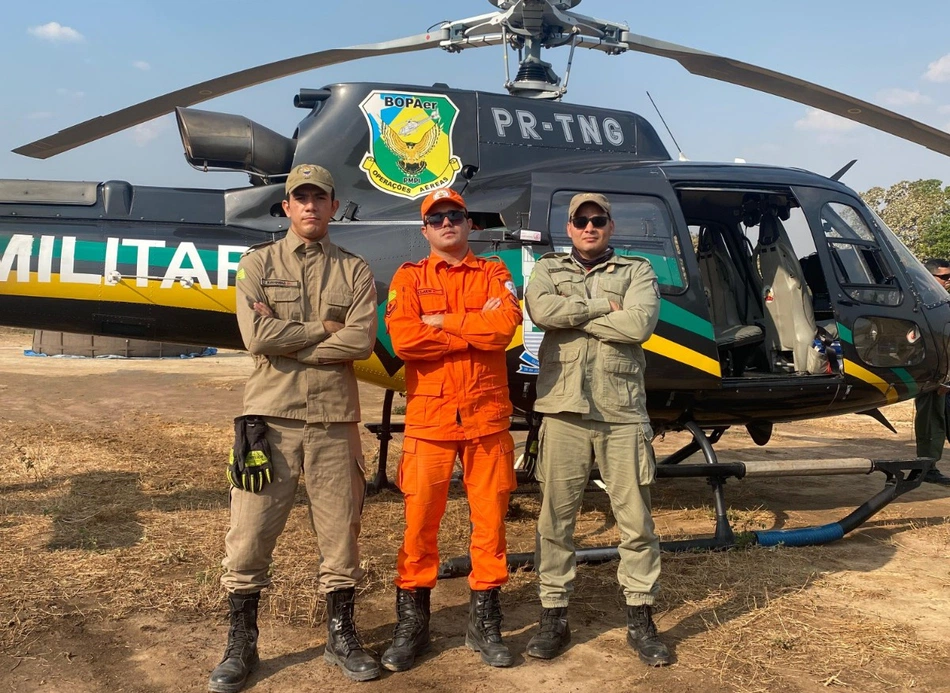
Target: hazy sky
{"type": "Point", "coordinates": [64, 62]}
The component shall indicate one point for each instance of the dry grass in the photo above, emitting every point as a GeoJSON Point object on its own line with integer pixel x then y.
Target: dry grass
{"type": "Point", "coordinates": [765, 620]}
{"type": "Point", "coordinates": [101, 524]}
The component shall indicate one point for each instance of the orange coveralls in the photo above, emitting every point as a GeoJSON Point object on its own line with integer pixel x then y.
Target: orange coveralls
{"type": "Point", "coordinates": [457, 385]}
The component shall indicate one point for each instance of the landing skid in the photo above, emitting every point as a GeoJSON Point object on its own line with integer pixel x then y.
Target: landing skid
{"type": "Point", "coordinates": [901, 476]}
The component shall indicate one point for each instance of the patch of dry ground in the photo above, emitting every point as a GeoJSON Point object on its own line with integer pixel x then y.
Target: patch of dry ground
{"type": "Point", "coordinates": [113, 510]}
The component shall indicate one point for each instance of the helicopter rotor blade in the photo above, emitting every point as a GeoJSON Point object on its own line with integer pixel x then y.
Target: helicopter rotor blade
{"type": "Point", "coordinates": [101, 126]}
{"type": "Point", "coordinates": [794, 89]}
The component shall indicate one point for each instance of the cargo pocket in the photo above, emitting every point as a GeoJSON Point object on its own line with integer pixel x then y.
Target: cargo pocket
{"type": "Point", "coordinates": [613, 289]}
{"type": "Point", "coordinates": [556, 365]}
{"type": "Point", "coordinates": [284, 301]}
{"type": "Point", "coordinates": [336, 305]}
{"type": "Point", "coordinates": [507, 479]}
{"type": "Point", "coordinates": [406, 477]}
{"type": "Point", "coordinates": [539, 468]}
{"type": "Point", "coordinates": [646, 458]}
{"type": "Point", "coordinates": [621, 381]}
{"type": "Point", "coordinates": [570, 285]}
{"type": "Point", "coordinates": [423, 405]}
{"type": "Point", "coordinates": [432, 301]}
{"type": "Point", "coordinates": [474, 302]}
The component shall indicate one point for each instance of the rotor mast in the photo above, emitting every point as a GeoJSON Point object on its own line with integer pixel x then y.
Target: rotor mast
{"type": "Point", "coordinates": [529, 26]}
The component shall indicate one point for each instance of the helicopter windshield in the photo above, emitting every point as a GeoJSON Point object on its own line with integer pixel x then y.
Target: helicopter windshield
{"type": "Point", "coordinates": [931, 292]}
{"type": "Point", "coordinates": [859, 264]}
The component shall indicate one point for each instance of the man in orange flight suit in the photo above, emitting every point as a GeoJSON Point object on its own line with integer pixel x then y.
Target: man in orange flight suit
{"type": "Point", "coordinates": [451, 317]}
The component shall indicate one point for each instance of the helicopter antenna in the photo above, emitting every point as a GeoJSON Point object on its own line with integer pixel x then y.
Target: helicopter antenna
{"type": "Point", "coordinates": [682, 156]}
{"type": "Point", "coordinates": [843, 170]}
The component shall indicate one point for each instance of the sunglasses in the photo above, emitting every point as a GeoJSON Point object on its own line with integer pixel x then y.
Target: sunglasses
{"type": "Point", "coordinates": [942, 277]}
{"type": "Point", "coordinates": [599, 222]}
{"type": "Point", "coordinates": [455, 216]}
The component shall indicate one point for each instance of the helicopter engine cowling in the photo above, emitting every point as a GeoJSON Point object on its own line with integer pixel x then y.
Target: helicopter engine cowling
{"type": "Point", "coordinates": [223, 140]}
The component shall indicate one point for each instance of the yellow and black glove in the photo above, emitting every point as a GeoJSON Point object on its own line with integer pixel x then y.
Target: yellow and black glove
{"type": "Point", "coordinates": [249, 466]}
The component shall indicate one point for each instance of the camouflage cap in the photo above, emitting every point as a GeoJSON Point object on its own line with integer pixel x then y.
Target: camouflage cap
{"type": "Point", "coordinates": [581, 198]}
{"type": "Point", "coordinates": [309, 174]}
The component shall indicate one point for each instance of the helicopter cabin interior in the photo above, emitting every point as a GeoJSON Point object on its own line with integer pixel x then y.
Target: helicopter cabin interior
{"type": "Point", "coordinates": [767, 297]}
{"type": "Point", "coordinates": [766, 292]}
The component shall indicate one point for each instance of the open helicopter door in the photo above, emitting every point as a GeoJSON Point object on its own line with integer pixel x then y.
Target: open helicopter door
{"type": "Point", "coordinates": [891, 317]}
{"type": "Point", "coordinates": [682, 354]}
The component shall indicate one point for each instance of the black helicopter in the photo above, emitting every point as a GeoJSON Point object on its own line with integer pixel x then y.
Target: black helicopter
{"type": "Point", "coordinates": [784, 297]}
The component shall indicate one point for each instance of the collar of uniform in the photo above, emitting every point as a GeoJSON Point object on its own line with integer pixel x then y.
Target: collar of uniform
{"type": "Point", "coordinates": [295, 242]}
{"type": "Point", "coordinates": [469, 260]}
{"type": "Point", "coordinates": [615, 259]}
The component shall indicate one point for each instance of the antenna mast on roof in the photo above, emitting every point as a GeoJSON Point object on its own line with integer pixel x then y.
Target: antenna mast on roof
{"type": "Point", "coordinates": [682, 156]}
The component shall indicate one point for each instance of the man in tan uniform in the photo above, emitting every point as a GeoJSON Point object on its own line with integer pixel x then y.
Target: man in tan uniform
{"type": "Point", "coordinates": [306, 309]}
{"type": "Point", "coordinates": [596, 309]}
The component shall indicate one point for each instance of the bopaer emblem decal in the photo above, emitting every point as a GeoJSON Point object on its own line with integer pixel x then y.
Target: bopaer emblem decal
{"type": "Point", "coordinates": [410, 142]}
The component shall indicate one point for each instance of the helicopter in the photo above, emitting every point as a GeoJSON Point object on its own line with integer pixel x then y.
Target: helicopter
{"type": "Point", "coordinates": [783, 295]}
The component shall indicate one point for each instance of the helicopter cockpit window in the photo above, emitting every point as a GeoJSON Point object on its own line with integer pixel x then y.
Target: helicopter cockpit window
{"type": "Point", "coordinates": [860, 266]}
{"type": "Point", "coordinates": [931, 292]}
{"type": "Point", "coordinates": [643, 227]}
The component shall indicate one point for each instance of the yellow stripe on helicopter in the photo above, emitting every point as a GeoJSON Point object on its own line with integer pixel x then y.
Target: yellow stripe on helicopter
{"type": "Point", "coordinates": [677, 352]}
{"type": "Point", "coordinates": [861, 373]}
{"type": "Point", "coordinates": [126, 291]}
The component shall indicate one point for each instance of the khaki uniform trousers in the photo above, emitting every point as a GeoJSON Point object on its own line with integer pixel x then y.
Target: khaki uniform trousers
{"type": "Point", "coordinates": [331, 459]}
{"type": "Point", "coordinates": [930, 424]}
{"type": "Point", "coordinates": [568, 447]}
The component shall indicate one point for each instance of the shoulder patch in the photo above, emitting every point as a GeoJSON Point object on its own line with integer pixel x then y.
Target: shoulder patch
{"type": "Point", "coordinates": [257, 246]}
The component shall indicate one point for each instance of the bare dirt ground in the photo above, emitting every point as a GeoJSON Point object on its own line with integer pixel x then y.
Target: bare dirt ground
{"type": "Point", "coordinates": [113, 508]}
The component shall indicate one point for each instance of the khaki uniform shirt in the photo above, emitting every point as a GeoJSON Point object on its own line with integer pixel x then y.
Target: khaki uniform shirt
{"type": "Point", "coordinates": [591, 360]}
{"type": "Point", "coordinates": [301, 370]}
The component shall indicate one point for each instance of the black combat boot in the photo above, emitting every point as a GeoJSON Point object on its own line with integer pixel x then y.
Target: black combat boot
{"type": "Point", "coordinates": [240, 657]}
{"type": "Point", "coordinates": [484, 628]}
{"type": "Point", "coordinates": [935, 476]}
{"type": "Point", "coordinates": [344, 648]}
{"type": "Point", "coordinates": [411, 635]}
{"type": "Point", "coordinates": [641, 636]}
{"type": "Point", "coordinates": [553, 635]}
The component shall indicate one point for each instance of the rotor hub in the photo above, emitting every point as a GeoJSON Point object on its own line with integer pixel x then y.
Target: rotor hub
{"type": "Point", "coordinates": [529, 26]}
{"type": "Point", "coordinates": [559, 4]}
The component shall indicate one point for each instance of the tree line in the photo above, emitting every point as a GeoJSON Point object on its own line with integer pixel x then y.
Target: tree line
{"type": "Point", "coordinates": [918, 212]}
